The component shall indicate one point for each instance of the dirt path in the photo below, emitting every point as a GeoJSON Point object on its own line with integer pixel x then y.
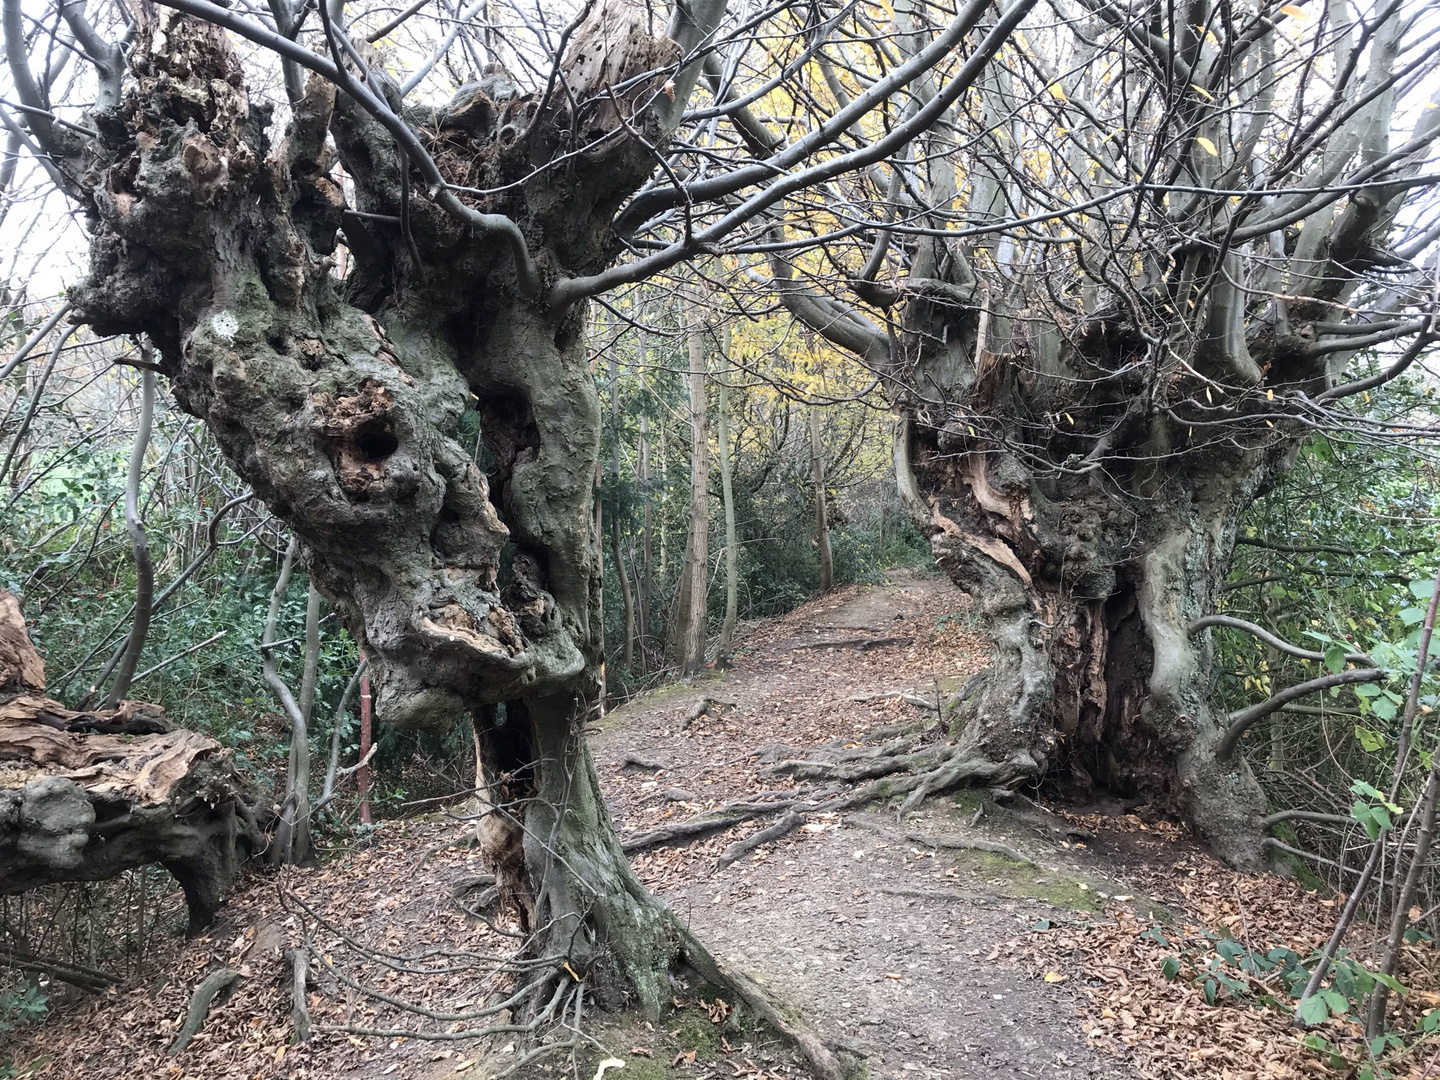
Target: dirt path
{"type": "Point", "coordinates": [927, 961]}
{"type": "Point", "coordinates": [910, 955]}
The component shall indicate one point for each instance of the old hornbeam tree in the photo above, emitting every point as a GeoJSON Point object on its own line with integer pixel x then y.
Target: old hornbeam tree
{"type": "Point", "coordinates": [1112, 293]}
{"type": "Point", "coordinates": [331, 275]}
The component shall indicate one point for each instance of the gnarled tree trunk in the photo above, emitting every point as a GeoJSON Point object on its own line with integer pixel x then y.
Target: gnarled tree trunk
{"type": "Point", "coordinates": [340, 402]}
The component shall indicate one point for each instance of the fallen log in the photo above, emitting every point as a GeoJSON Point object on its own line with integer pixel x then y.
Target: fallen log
{"type": "Point", "coordinates": [85, 796]}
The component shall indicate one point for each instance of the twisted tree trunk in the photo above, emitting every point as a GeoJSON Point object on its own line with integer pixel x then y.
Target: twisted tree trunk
{"type": "Point", "coordinates": [341, 402]}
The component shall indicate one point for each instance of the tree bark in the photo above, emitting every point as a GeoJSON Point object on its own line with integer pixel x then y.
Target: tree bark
{"type": "Point", "coordinates": [727, 494]}
{"type": "Point", "coordinates": [311, 671]}
{"type": "Point", "coordinates": [341, 403]}
{"type": "Point", "coordinates": [647, 561]}
{"type": "Point", "coordinates": [627, 598]}
{"type": "Point", "coordinates": [688, 634]}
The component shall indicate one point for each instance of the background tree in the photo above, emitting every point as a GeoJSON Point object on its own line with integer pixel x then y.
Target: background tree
{"type": "Point", "coordinates": [1112, 292]}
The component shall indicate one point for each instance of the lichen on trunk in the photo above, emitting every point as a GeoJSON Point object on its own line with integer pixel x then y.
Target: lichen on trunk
{"type": "Point", "coordinates": [475, 597]}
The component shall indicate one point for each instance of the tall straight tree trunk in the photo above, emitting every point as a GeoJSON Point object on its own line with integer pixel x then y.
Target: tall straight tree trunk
{"type": "Point", "coordinates": [311, 670]}
{"type": "Point", "coordinates": [727, 493]}
{"type": "Point", "coordinates": [689, 632]}
{"type": "Point", "coordinates": [822, 526]}
{"type": "Point", "coordinates": [647, 561]}
{"type": "Point", "coordinates": [627, 597]}
{"type": "Point", "coordinates": [291, 843]}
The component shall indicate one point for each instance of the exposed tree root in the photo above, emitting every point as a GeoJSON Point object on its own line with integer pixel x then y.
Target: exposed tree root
{"type": "Point", "coordinates": [84, 978]}
{"type": "Point", "coordinates": [784, 827]}
{"type": "Point", "coordinates": [732, 814]}
{"type": "Point", "coordinates": [639, 762]}
{"type": "Point", "coordinates": [862, 643]}
{"type": "Point", "coordinates": [811, 1046]}
{"type": "Point", "coordinates": [218, 984]}
{"type": "Point", "coordinates": [910, 699]}
{"type": "Point", "coordinates": [702, 707]}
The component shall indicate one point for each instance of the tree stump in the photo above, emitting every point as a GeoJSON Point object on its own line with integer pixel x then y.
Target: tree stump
{"type": "Point", "coordinates": [87, 795]}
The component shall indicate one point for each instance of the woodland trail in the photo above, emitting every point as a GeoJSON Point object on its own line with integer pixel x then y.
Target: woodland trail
{"type": "Point", "coordinates": [906, 954]}
{"type": "Point", "coordinates": [909, 945]}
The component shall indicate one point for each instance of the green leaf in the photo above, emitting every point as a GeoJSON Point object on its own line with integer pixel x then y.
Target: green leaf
{"type": "Point", "coordinates": [1335, 658]}
{"type": "Point", "coordinates": [1422, 590]}
{"type": "Point", "coordinates": [1411, 615]}
{"type": "Point", "coordinates": [1170, 967]}
{"type": "Point", "coordinates": [1369, 740]}
{"type": "Point", "coordinates": [1336, 1002]}
{"type": "Point", "coordinates": [1211, 987]}
{"type": "Point", "coordinates": [1041, 924]}
{"type": "Point", "coordinates": [1313, 1011]}
{"type": "Point", "coordinates": [1363, 814]}
{"type": "Point", "coordinates": [1390, 981]}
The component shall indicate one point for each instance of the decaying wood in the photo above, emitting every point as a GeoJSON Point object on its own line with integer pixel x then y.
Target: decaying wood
{"type": "Point", "coordinates": [299, 1010]}
{"type": "Point", "coordinates": [220, 983]}
{"type": "Point", "coordinates": [87, 795]}
{"type": "Point", "coordinates": [20, 665]}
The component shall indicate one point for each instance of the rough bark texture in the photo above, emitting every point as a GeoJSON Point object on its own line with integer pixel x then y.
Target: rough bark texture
{"type": "Point", "coordinates": [688, 634]}
{"type": "Point", "coordinates": [822, 525]}
{"type": "Point", "coordinates": [1087, 577]}
{"type": "Point", "coordinates": [340, 402]}
{"type": "Point", "coordinates": [86, 795]}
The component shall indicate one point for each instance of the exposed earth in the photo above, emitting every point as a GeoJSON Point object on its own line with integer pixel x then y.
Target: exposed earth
{"type": "Point", "coordinates": [974, 939]}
